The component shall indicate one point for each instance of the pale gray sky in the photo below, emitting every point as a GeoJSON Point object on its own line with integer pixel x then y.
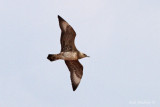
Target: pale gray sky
{"type": "Point", "coordinates": [121, 36]}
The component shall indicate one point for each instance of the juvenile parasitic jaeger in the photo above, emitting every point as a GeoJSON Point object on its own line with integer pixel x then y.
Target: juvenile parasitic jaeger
{"type": "Point", "coordinates": [69, 53]}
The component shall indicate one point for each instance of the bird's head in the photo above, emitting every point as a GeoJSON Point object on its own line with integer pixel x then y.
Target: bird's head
{"type": "Point", "coordinates": [83, 55]}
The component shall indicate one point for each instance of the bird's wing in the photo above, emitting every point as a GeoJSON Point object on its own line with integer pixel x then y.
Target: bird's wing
{"type": "Point", "coordinates": [67, 36]}
{"type": "Point", "coordinates": [76, 72]}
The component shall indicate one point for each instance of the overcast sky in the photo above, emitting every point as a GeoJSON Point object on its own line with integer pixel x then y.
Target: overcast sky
{"type": "Point", "coordinates": [122, 38]}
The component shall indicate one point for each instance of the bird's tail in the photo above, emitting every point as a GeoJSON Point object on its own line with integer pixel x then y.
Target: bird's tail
{"type": "Point", "coordinates": [52, 57]}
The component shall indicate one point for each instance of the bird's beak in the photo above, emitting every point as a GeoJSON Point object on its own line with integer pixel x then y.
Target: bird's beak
{"type": "Point", "coordinates": [88, 56]}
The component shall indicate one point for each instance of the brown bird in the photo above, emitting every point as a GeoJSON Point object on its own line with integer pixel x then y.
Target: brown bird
{"type": "Point", "coordinates": [69, 53]}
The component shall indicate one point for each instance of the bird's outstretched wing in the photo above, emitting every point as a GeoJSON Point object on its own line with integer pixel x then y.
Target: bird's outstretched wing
{"type": "Point", "coordinates": [67, 36]}
{"type": "Point", "coordinates": [76, 72]}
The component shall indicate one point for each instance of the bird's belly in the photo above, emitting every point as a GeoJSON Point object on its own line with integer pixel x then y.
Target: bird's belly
{"type": "Point", "coordinates": [69, 55]}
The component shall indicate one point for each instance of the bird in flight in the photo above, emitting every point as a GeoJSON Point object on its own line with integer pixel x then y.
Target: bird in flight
{"type": "Point", "coordinates": [69, 53]}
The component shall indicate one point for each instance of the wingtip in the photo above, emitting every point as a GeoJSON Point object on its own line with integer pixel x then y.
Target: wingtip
{"type": "Point", "coordinates": [60, 18]}
{"type": "Point", "coordinates": [74, 87]}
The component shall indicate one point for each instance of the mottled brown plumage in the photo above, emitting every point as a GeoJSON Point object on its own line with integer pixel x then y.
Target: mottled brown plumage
{"type": "Point", "coordinates": [67, 36]}
{"type": "Point", "coordinates": [69, 53]}
{"type": "Point", "coordinates": [76, 68]}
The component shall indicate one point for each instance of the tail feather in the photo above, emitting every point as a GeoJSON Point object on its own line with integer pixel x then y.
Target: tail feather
{"type": "Point", "coordinates": [52, 57]}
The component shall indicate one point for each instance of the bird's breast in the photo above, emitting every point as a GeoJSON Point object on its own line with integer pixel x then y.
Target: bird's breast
{"type": "Point", "coordinates": [69, 55]}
